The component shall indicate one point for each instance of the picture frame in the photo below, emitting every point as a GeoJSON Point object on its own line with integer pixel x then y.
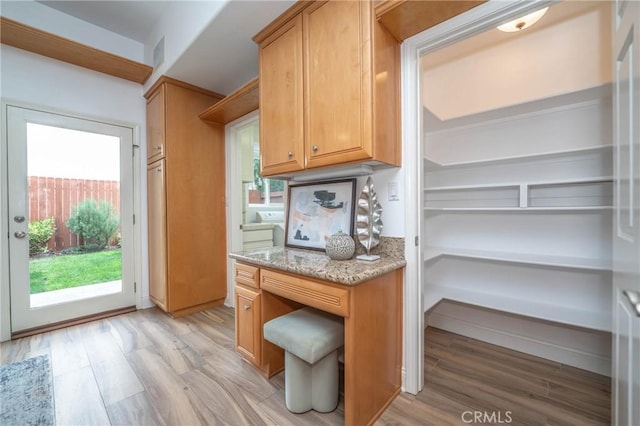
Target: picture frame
{"type": "Point", "coordinates": [317, 210]}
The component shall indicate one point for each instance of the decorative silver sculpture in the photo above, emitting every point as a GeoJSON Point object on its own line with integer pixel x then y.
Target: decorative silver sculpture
{"type": "Point", "coordinates": [368, 220]}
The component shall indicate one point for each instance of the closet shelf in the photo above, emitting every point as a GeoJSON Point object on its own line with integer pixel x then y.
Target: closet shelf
{"type": "Point", "coordinates": [432, 253]}
{"type": "Point", "coordinates": [518, 209]}
{"type": "Point", "coordinates": [517, 185]}
{"type": "Point", "coordinates": [515, 159]}
{"type": "Point", "coordinates": [595, 320]}
{"type": "Point", "coordinates": [595, 193]}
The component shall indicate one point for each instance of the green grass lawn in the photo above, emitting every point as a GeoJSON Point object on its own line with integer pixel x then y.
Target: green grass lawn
{"type": "Point", "coordinates": [74, 270]}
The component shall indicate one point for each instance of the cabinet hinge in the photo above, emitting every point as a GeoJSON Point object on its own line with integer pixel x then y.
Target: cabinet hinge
{"type": "Point", "coordinates": [134, 219]}
{"type": "Point", "coordinates": [417, 243]}
{"type": "Point", "coordinates": [135, 287]}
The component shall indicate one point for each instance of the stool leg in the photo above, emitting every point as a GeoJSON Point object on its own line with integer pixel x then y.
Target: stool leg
{"type": "Point", "coordinates": [324, 383]}
{"type": "Point", "coordinates": [297, 383]}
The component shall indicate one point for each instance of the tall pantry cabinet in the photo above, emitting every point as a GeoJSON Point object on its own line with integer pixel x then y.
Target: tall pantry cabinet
{"type": "Point", "coordinates": [185, 194]}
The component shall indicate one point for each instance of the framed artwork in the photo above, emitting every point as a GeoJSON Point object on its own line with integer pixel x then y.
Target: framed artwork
{"type": "Point", "coordinates": [318, 210]}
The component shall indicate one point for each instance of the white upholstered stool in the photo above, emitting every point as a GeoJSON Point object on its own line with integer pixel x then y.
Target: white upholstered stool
{"type": "Point", "coordinates": [311, 339]}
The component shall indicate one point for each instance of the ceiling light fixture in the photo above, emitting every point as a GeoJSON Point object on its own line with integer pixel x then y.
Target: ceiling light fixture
{"type": "Point", "coordinates": [523, 22]}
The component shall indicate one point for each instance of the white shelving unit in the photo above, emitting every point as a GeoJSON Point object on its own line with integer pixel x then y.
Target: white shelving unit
{"type": "Point", "coordinates": [525, 234]}
{"type": "Point", "coordinates": [595, 264]}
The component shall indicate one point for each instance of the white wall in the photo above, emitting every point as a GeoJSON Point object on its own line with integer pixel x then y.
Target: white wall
{"type": "Point", "coordinates": [38, 81]}
{"type": "Point", "coordinates": [392, 211]}
{"type": "Point", "coordinates": [180, 25]}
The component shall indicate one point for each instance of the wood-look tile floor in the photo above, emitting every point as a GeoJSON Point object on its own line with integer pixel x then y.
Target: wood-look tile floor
{"type": "Point", "coordinates": [471, 382]}
{"type": "Point", "coordinates": [145, 368]}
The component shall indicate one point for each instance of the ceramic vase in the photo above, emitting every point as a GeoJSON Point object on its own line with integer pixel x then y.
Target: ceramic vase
{"type": "Point", "coordinates": [340, 246]}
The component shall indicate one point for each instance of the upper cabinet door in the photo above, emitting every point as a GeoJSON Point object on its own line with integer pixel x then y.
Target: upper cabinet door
{"type": "Point", "coordinates": [329, 88]}
{"type": "Point", "coordinates": [156, 126]}
{"type": "Point", "coordinates": [281, 125]}
{"type": "Point", "coordinates": [338, 91]}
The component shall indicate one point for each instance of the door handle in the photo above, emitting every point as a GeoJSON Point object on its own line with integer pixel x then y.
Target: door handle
{"type": "Point", "coordinates": [634, 299]}
{"type": "Point", "coordinates": [20, 234]}
{"type": "Point", "coordinates": [18, 219]}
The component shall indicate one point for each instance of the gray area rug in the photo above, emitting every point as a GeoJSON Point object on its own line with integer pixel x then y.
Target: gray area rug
{"type": "Point", "coordinates": [26, 393]}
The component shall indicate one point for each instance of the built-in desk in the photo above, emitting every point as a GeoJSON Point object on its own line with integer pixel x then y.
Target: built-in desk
{"type": "Point", "coordinates": [370, 301]}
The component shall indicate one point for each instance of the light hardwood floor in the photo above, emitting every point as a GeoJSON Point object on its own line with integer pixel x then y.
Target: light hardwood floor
{"type": "Point", "coordinates": [144, 368]}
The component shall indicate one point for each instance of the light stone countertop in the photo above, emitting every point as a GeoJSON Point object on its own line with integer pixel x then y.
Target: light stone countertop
{"type": "Point", "coordinates": [316, 264]}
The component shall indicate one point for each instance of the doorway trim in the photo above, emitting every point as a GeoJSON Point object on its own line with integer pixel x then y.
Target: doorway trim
{"type": "Point", "coordinates": [472, 22]}
{"type": "Point", "coordinates": [138, 264]}
{"type": "Point", "coordinates": [234, 196]}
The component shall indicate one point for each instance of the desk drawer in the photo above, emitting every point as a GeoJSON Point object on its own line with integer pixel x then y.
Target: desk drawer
{"type": "Point", "coordinates": [325, 297]}
{"type": "Point", "coordinates": [247, 275]}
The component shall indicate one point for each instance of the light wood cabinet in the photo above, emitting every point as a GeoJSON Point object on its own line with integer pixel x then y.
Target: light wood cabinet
{"type": "Point", "coordinates": [329, 89]}
{"type": "Point", "coordinates": [157, 220]}
{"type": "Point", "coordinates": [372, 312]}
{"type": "Point", "coordinates": [248, 326]}
{"type": "Point", "coordinates": [155, 125]}
{"type": "Point", "coordinates": [186, 189]}
{"type": "Point", "coordinates": [254, 308]}
{"type": "Point", "coordinates": [405, 18]}
{"type": "Point", "coordinates": [281, 103]}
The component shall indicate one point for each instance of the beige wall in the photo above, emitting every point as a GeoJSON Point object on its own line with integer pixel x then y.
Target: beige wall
{"type": "Point", "coordinates": [568, 50]}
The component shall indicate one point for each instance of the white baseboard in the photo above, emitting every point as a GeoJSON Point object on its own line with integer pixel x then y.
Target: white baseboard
{"type": "Point", "coordinates": [147, 303]}
{"type": "Point", "coordinates": [586, 349]}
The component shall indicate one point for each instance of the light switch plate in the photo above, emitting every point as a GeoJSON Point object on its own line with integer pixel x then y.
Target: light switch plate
{"type": "Point", "coordinates": [392, 189]}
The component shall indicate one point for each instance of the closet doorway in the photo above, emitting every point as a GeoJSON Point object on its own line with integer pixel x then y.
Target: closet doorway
{"type": "Point", "coordinates": [518, 186]}
{"type": "Point", "coordinates": [554, 274]}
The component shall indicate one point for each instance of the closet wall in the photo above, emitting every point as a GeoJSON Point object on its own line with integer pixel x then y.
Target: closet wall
{"type": "Point", "coordinates": [517, 225]}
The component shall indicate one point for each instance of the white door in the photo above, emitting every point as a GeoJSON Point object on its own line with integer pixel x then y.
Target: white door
{"type": "Point", "coordinates": [626, 245]}
{"type": "Point", "coordinates": [62, 167]}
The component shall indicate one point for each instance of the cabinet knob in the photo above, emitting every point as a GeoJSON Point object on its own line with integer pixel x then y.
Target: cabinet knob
{"type": "Point", "coordinates": [158, 169]}
{"type": "Point", "coordinates": [247, 307]}
{"type": "Point", "coordinates": [290, 154]}
{"type": "Point", "coordinates": [158, 147]}
{"type": "Point", "coordinates": [314, 148]}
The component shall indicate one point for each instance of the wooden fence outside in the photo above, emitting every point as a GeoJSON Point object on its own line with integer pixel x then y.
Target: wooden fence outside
{"type": "Point", "coordinates": [56, 197]}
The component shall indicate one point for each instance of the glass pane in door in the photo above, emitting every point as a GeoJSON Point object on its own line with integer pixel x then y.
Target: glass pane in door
{"type": "Point", "coordinates": [73, 214]}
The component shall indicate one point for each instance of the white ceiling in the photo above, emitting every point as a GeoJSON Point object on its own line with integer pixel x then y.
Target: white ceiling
{"type": "Point", "coordinates": [131, 19]}
{"type": "Point", "coordinates": [223, 57]}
